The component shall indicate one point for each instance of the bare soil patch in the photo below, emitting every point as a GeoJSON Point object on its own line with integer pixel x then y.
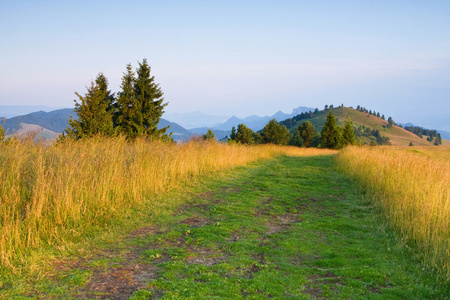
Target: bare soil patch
{"type": "Point", "coordinates": [282, 222]}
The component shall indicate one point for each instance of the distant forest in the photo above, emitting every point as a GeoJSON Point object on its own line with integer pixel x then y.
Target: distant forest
{"type": "Point", "coordinates": [431, 134]}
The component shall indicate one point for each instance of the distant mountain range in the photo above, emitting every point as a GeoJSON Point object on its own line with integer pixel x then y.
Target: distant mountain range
{"type": "Point", "coordinates": [198, 120]}
{"type": "Point", "coordinates": [50, 124]}
{"type": "Point", "coordinates": [9, 111]}
{"type": "Point", "coordinates": [57, 121]}
{"type": "Point", "coordinates": [222, 127]}
{"type": "Point", "coordinates": [195, 119]}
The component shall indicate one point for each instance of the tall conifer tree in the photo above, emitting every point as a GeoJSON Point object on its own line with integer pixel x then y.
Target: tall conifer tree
{"type": "Point", "coordinates": [148, 106]}
{"type": "Point", "coordinates": [94, 113]}
{"type": "Point", "coordinates": [331, 133]}
{"type": "Point", "coordinates": [390, 122]}
{"type": "Point", "coordinates": [126, 99]}
{"type": "Point", "coordinates": [244, 135]}
{"type": "Point", "coordinates": [274, 133]}
{"type": "Point", "coordinates": [307, 131]}
{"type": "Point", "coordinates": [233, 133]}
{"type": "Point", "coordinates": [102, 83]}
{"type": "Point", "coordinates": [348, 135]}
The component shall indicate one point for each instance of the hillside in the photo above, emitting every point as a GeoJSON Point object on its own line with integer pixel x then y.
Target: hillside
{"type": "Point", "coordinates": [397, 135]}
{"type": "Point", "coordinates": [179, 133]}
{"type": "Point", "coordinates": [364, 123]}
{"type": "Point", "coordinates": [56, 122]}
{"type": "Point", "coordinates": [36, 131]}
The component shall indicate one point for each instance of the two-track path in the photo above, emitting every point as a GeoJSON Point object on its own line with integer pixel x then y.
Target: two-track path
{"type": "Point", "coordinates": [284, 228]}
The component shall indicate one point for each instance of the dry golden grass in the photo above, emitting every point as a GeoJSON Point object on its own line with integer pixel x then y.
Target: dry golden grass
{"type": "Point", "coordinates": [53, 195]}
{"type": "Point", "coordinates": [412, 187]}
{"type": "Point", "coordinates": [441, 152]}
{"type": "Point", "coordinates": [445, 142]}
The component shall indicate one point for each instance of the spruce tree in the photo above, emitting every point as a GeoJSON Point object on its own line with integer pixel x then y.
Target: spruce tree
{"type": "Point", "coordinates": [274, 133]}
{"type": "Point", "coordinates": [307, 131]}
{"type": "Point", "coordinates": [390, 122]}
{"type": "Point", "coordinates": [348, 135]}
{"type": "Point", "coordinates": [125, 104]}
{"type": "Point", "coordinates": [148, 105]}
{"type": "Point", "coordinates": [437, 140]}
{"type": "Point", "coordinates": [331, 133]}
{"type": "Point", "coordinates": [233, 133]}
{"type": "Point", "coordinates": [209, 135]}
{"type": "Point", "coordinates": [94, 114]}
{"type": "Point", "coordinates": [102, 83]}
{"type": "Point", "coordinates": [245, 135]}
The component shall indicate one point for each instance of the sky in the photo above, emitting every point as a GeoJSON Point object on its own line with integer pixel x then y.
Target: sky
{"type": "Point", "coordinates": [236, 57]}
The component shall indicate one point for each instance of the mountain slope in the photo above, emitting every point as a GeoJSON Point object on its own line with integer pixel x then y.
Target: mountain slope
{"type": "Point", "coordinates": [35, 131]}
{"type": "Point", "coordinates": [397, 135]}
{"type": "Point", "coordinates": [55, 121]}
{"type": "Point", "coordinates": [178, 132]}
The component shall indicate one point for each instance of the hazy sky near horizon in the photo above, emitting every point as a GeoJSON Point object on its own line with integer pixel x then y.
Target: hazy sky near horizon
{"type": "Point", "coordinates": [236, 57]}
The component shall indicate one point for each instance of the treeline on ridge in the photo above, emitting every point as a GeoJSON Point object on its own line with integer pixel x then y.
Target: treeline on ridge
{"type": "Point", "coordinates": [332, 136]}
{"type": "Point", "coordinates": [432, 135]}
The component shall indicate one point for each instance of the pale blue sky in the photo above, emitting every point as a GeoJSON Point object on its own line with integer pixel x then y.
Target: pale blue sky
{"type": "Point", "coordinates": [236, 57]}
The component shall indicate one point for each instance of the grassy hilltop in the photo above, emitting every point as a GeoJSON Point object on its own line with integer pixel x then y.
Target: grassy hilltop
{"type": "Point", "coordinates": [397, 135]}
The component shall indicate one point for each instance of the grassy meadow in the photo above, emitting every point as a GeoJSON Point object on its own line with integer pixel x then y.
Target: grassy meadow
{"type": "Point", "coordinates": [287, 227]}
{"type": "Point", "coordinates": [210, 219]}
{"type": "Point", "coordinates": [55, 195]}
{"type": "Point", "coordinates": [412, 187]}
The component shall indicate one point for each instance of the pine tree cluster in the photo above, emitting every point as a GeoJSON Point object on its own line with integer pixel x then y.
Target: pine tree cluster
{"type": "Point", "coordinates": [272, 133]}
{"type": "Point", "coordinates": [433, 135]}
{"type": "Point", "coordinates": [334, 136]}
{"type": "Point", "coordinates": [134, 112]}
{"type": "Point", "coordinates": [370, 112]}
